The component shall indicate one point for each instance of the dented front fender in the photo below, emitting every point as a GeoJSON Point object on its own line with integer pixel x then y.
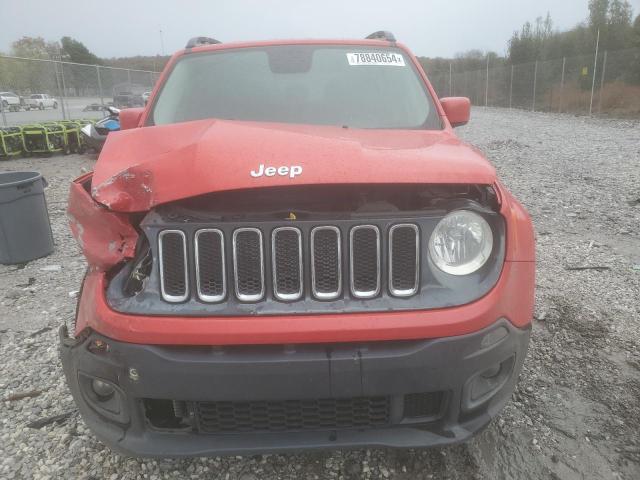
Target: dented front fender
{"type": "Point", "coordinates": [105, 237]}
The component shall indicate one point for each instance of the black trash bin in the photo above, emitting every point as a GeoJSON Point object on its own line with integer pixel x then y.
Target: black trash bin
{"type": "Point", "coordinates": [25, 231]}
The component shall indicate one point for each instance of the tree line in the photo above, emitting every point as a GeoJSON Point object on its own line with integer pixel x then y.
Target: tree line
{"type": "Point", "coordinates": [611, 20]}
{"type": "Point", "coordinates": [539, 40]}
{"type": "Point", "coordinates": [26, 77]}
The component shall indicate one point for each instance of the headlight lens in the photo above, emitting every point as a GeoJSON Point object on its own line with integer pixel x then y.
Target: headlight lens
{"type": "Point", "coordinates": [461, 243]}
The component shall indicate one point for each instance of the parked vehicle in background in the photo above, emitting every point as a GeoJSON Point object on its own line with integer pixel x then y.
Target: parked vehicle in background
{"type": "Point", "coordinates": [127, 100]}
{"type": "Point", "coordinates": [96, 107]}
{"type": "Point", "coordinates": [145, 97]}
{"type": "Point", "coordinates": [93, 107]}
{"type": "Point", "coordinates": [10, 101]}
{"type": "Point", "coordinates": [40, 101]}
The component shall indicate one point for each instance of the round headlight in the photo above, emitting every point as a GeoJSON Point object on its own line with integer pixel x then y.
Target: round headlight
{"type": "Point", "coordinates": [461, 243]}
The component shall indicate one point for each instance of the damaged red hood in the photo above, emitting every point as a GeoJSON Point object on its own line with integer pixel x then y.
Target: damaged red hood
{"type": "Point", "coordinates": [144, 167]}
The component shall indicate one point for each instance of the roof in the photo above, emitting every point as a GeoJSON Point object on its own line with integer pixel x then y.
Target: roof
{"type": "Point", "coordinates": [265, 43]}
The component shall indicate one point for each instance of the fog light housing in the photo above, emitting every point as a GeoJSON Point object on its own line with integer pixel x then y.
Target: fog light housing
{"type": "Point", "coordinates": [104, 396]}
{"type": "Point", "coordinates": [486, 383]}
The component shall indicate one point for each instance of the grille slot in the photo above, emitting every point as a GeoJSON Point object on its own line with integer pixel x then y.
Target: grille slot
{"type": "Point", "coordinates": [364, 243]}
{"type": "Point", "coordinates": [248, 264]}
{"type": "Point", "coordinates": [210, 265]}
{"type": "Point", "coordinates": [172, 250]}
{"type": "Point", "coordinates": [404, 257]}
{"type": "Point", "coordinates": [292, 415]}
{"type": "Point", "coordinates": [326, 263]}
{"type": "Point", "coordinates": [286, 246]}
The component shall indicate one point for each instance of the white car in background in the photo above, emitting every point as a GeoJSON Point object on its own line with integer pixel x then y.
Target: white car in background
{"type": "Point", "coordinates": [145, 97]}
{"type": "Point", "coordinates": [40, 101]}
{"type": "Point", "coordinates": [10, 101]}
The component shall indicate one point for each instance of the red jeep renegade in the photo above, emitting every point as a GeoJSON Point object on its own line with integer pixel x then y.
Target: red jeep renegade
{"type": "Point", "coordinates": [289, 248]}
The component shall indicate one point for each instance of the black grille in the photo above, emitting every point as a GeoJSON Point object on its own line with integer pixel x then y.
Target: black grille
{"type": "Point", "coordinates": [417, 405]}
{"type": "Point", "coordinates": [248, 264]}
{"type": "Point", "coordinates": [210, 265]}
{"type": "Point", "coordinates": [287, 263]}
{"type": "Point", "coordinates": [365, 261]}
{"type": "Point", "coordinates": [326, 268]}
{"type": "Point", "coordinates": [292, 415]}
{"type": "Point", "coordinates": [173, 266]}
{"type": "Point", "coordinates": [403, 261]}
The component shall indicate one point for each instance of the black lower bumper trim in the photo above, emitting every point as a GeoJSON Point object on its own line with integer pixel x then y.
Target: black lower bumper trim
{"type": "Point", "coordinates": [471, 375]}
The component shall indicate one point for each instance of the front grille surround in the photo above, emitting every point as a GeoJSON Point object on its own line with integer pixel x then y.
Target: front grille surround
{"type": "Point", "coordinates": [319, 277]}
{"type": "Point", "coordinates": [207, 297]}
{"type": "Point", "coordinates": [165, 278]}
{"type": "Point", "coordinates": [251, 296]}
{"type": "Point", "coordinates": [393, 288]}
{"type": "Point", "coordinates": [359, 273]}
{"type": "Point", "coordinates": [276, 266]}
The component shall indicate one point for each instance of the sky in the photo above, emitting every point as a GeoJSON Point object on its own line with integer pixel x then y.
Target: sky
{"type": "Point", "coordinates": [117, 28]}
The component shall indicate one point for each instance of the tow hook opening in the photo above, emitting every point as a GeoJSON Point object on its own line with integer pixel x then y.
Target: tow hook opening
{"type": "Point", "coordinates": [167, 414]}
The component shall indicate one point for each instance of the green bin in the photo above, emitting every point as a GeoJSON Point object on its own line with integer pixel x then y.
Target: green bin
{"type": "Point", "coordinates": [10, 141]}
{"type": "Point", "coordinates": [43, 138]}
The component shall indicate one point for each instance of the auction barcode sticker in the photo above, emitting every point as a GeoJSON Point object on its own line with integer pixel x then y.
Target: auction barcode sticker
{"type": "Point", "coordinates": [375, 58]}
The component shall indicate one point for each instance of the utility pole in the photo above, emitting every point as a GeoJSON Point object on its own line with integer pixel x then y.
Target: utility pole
{"type": "Point", "coordinates": [64, 94]}
{"type": "Point", "coordinates": [486, 88]}
{"type": "Point", "coordinates": [604, 68]}
{"type": "Point", "coordinates": [57, 58]}
{"type": "Point", "coordinates": [564, 61]}
{"type": "Point", "coordinates": [595, 66]}
{"type": "Point", "coordinates": [511, 87]}
{"type": "Point", "coordinates": [535, 79]}
{"type": "Point", "coordinates": [99, 85]}
{"type": "Point", "coordinates": [4, 117]}
{"type": "Point", "coordinates": [450, 80]}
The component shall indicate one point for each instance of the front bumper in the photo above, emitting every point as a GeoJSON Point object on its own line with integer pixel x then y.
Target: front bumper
{"type": "Point", "coordinates": [473, 376]}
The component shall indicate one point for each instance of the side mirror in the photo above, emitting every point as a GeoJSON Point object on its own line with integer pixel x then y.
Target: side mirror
{"type": "Point", "coordinates": [130, 117]}
{"type": "Point", "coordinates": [457, 110]}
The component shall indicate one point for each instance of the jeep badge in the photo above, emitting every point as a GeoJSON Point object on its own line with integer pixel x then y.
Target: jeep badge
{"type": "Point", "coordinates": [292, 171]}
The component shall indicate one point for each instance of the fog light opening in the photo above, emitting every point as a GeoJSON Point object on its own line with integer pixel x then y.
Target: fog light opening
{"type": "Point", "coordinates": [486, 383]}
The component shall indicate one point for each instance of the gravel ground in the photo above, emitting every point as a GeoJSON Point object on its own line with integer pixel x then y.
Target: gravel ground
{"type": "Point", "coordinates": [575, 414]}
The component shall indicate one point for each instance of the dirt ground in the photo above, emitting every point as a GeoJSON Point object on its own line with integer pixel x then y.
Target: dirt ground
{"type": "Point", "coordinates": [574, 415]}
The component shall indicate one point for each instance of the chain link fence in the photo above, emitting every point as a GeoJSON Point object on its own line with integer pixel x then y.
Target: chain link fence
{"type": "Point", "coordinates": [74, 90]}
{"type": "Point", "coordinates": [606, 84]}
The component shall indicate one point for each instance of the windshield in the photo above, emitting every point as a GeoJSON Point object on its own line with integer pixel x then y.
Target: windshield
{"type": "Point", "coordinates": [351, 86]}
